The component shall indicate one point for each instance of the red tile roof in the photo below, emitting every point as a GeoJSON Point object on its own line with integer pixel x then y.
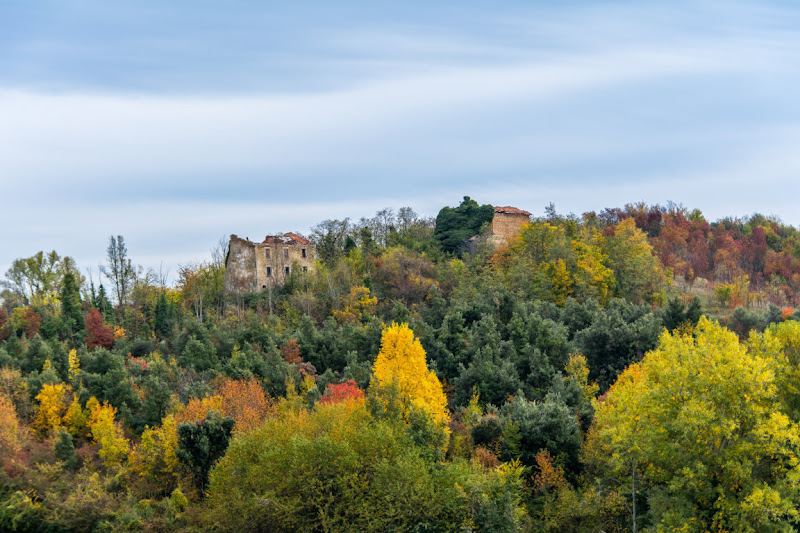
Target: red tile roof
{"type": "Point", "coordinates": [286, 238]}
{"type": "Point", "coordinates": [508, 210]}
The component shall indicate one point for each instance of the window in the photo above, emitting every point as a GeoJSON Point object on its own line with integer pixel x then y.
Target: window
{"type": "Point", "coordinates": [305, 269]}
{"type": "Point", "coordinates": [303, 253]}
{"type": "Point", "coordinates": [286, 269]}
{"type": "Point", "coordinates": [267, 250]}
{"type": "Point", "coordinates": [286, 253]}
{"type": "Point", "coordinates": [269, 272]}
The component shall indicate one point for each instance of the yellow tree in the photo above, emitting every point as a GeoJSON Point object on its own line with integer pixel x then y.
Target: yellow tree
{"type": "Point", "coordinates": [401, 364]}
{"type": "Point", "coordinates": [701, 417]}
{"type": "Point", "coordinates": [105, 432]}
{"type": "Point", "coordinates": [52, 406]}
{"type": "Point", "coordinates": [154, 459]}
{"type": "Point", "coordinates": [356, 303]}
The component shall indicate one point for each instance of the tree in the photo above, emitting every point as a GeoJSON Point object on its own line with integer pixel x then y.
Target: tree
{"type": "Point", "coordinates": [342, 392]}
{"type": "Point", "coordinates": [454, 225]}
{"type": "Point", "coordinates": [119, 270]}
{"type": "Point", "coordinates": [52, 407]}
{"type": "Point", "coordinates": [638, 274]}
{"type": "Point", "coordinates": [401, 363]}
{"type": "Point", "coordinates": [9, 429]}
{"type": "Point", "coordinates": [39, 275]}
{"type": "Point", "coordinates": [700, 420]}
{"type": "Point", "coordinates": [97, 333]}
{"type": "Point", "coordinates": [154, 459]}
{"type": "Point", "coordinates": [201, 444]}
{"type": "Point", "coordinates": [107, 433]}
{"type": "Point", "coordinates": [245, 401]}
{"type": "Point", "coordinates": [71, 308]}
{"type": "Point", "coordinates": [336, 468]}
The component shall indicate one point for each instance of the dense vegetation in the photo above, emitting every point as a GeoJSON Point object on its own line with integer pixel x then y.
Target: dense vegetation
{"type": "Point", "coordinates": [635, 369]}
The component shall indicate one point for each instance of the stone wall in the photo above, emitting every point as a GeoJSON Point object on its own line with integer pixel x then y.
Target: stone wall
{"type": "Point", "coordinates": [240, 266]}
{"type": "Point", "coordinates": [506, 223]}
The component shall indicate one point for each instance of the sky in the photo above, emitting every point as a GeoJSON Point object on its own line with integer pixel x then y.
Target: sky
{"type": "Point", "coordinates": [176, 124]}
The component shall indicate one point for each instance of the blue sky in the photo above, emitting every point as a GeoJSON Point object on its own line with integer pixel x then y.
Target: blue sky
{"type": "Point", "coordinates": [175, 123]}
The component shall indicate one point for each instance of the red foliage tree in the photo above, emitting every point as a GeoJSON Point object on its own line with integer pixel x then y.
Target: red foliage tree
{"type": "Point", "coordinates": [97, 333]}
{"type": "Point", "coordinates": [342, 392]}
{"type": "Point", "coordinates": [30, 322]}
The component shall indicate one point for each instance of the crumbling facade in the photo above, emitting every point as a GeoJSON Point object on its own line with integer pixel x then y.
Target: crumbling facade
{"type": "Point", "coordinates": [506, 223]}
{"type": "Point", "coordinates": [253, 267]}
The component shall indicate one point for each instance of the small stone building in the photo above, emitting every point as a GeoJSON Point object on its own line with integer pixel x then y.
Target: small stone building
{"type": "Point", "coordinates": [256, 266]}
{"type": "Point", "coordinates": [506, 223]}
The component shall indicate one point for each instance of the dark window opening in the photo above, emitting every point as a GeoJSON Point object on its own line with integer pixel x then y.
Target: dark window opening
{"type": "Point", "coordinates": [303, 253]}
{"type": "Point", "coordinates": [269, 272]}
{"type": "Point", "coordinates": [286, 253]}
{"type": "Point", "coordinates": [263, 286]}
{"type": "Point", "coordinates": [267, 252]}
{"type": "Point", "coordinates": [305, 269]}
{"type": "Point", "coordinates": [287, 270]}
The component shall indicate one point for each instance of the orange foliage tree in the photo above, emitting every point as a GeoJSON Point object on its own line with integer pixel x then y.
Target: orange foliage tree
{"type": "Point", "coordinates": [9, 429]}
{"type": "Point", "coordinates": [245, 401]}
{"type": "Point", "coordinates": [342, 392]}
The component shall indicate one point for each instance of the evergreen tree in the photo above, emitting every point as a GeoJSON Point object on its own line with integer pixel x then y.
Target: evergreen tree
{"type": "Point", "coordinates": [455, 225]}
{"type": "Point", "coordinates": [162, 320]}
{"type": "Point", "coordinates": [71, 308]}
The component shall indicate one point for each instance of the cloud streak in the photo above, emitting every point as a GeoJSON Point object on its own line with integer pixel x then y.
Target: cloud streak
{"type": "Point", "coordinates": [588, 108]}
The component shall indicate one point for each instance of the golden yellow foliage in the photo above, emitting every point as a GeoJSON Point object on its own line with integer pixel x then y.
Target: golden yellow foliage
{"type": "Point", "coordinates": [76, 419]}
{"type": "Point", "coordinates": [198, 409]}
{"type": "Point", "coordinates": [108, 434]}
{"type": "Point", "coordinates": [119, 333]}
{"type": "Point", "coordinates": [154, 459]}
{"type": "Point", "coordinates": [74, 364]}
{"type": "Point", "coordinates": [356, 304]}
{"type": "Point", "coordinates": [401, 363]}
{"type": "Point", "coordinates": [52, 406]}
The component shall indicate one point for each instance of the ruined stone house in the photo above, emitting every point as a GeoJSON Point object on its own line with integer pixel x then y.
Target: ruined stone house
{"type": "Point", "coordinates": [257, 266]}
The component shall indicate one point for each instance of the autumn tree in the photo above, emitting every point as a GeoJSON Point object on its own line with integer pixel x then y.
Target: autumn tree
{"type": "Point", "coordinates": [9, 429]}
{"type": "Point", "coordinates": [342, 392]}
{"type": "Point", "coordinates": [356, 304]}
{"type": "Point", "coordinates": [401, 363]}
{"type": "Point", "coordinates": [555, 262]}
{"type": "Point", "coordinates": [107, 433]}
{"type": "Point", "coordinates": [638, 275]}
{"type": "Point", "coordinates": [52, 407]}
{"type": "Point", "coordinates": [245, 401]}
{"type": "Point", "coordinates": [97, 333]}
{"type": "Point", "coordinates": [154, 458]}
{"type": "Point", "coordinates": [699, 423]}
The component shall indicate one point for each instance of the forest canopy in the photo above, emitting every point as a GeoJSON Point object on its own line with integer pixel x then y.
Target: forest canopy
{"type": "Point", "coordinates": [633, 368]}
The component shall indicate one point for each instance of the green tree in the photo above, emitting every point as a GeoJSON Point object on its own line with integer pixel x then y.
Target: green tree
{"type": "Point", "coordinates": [700, 420]}
{"type": "Point", "coordinates": [71, 309]}
{"type": "Point", "coordinates": [201, 444]}
{"type": "Point", "coordinates": [454, 225]}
